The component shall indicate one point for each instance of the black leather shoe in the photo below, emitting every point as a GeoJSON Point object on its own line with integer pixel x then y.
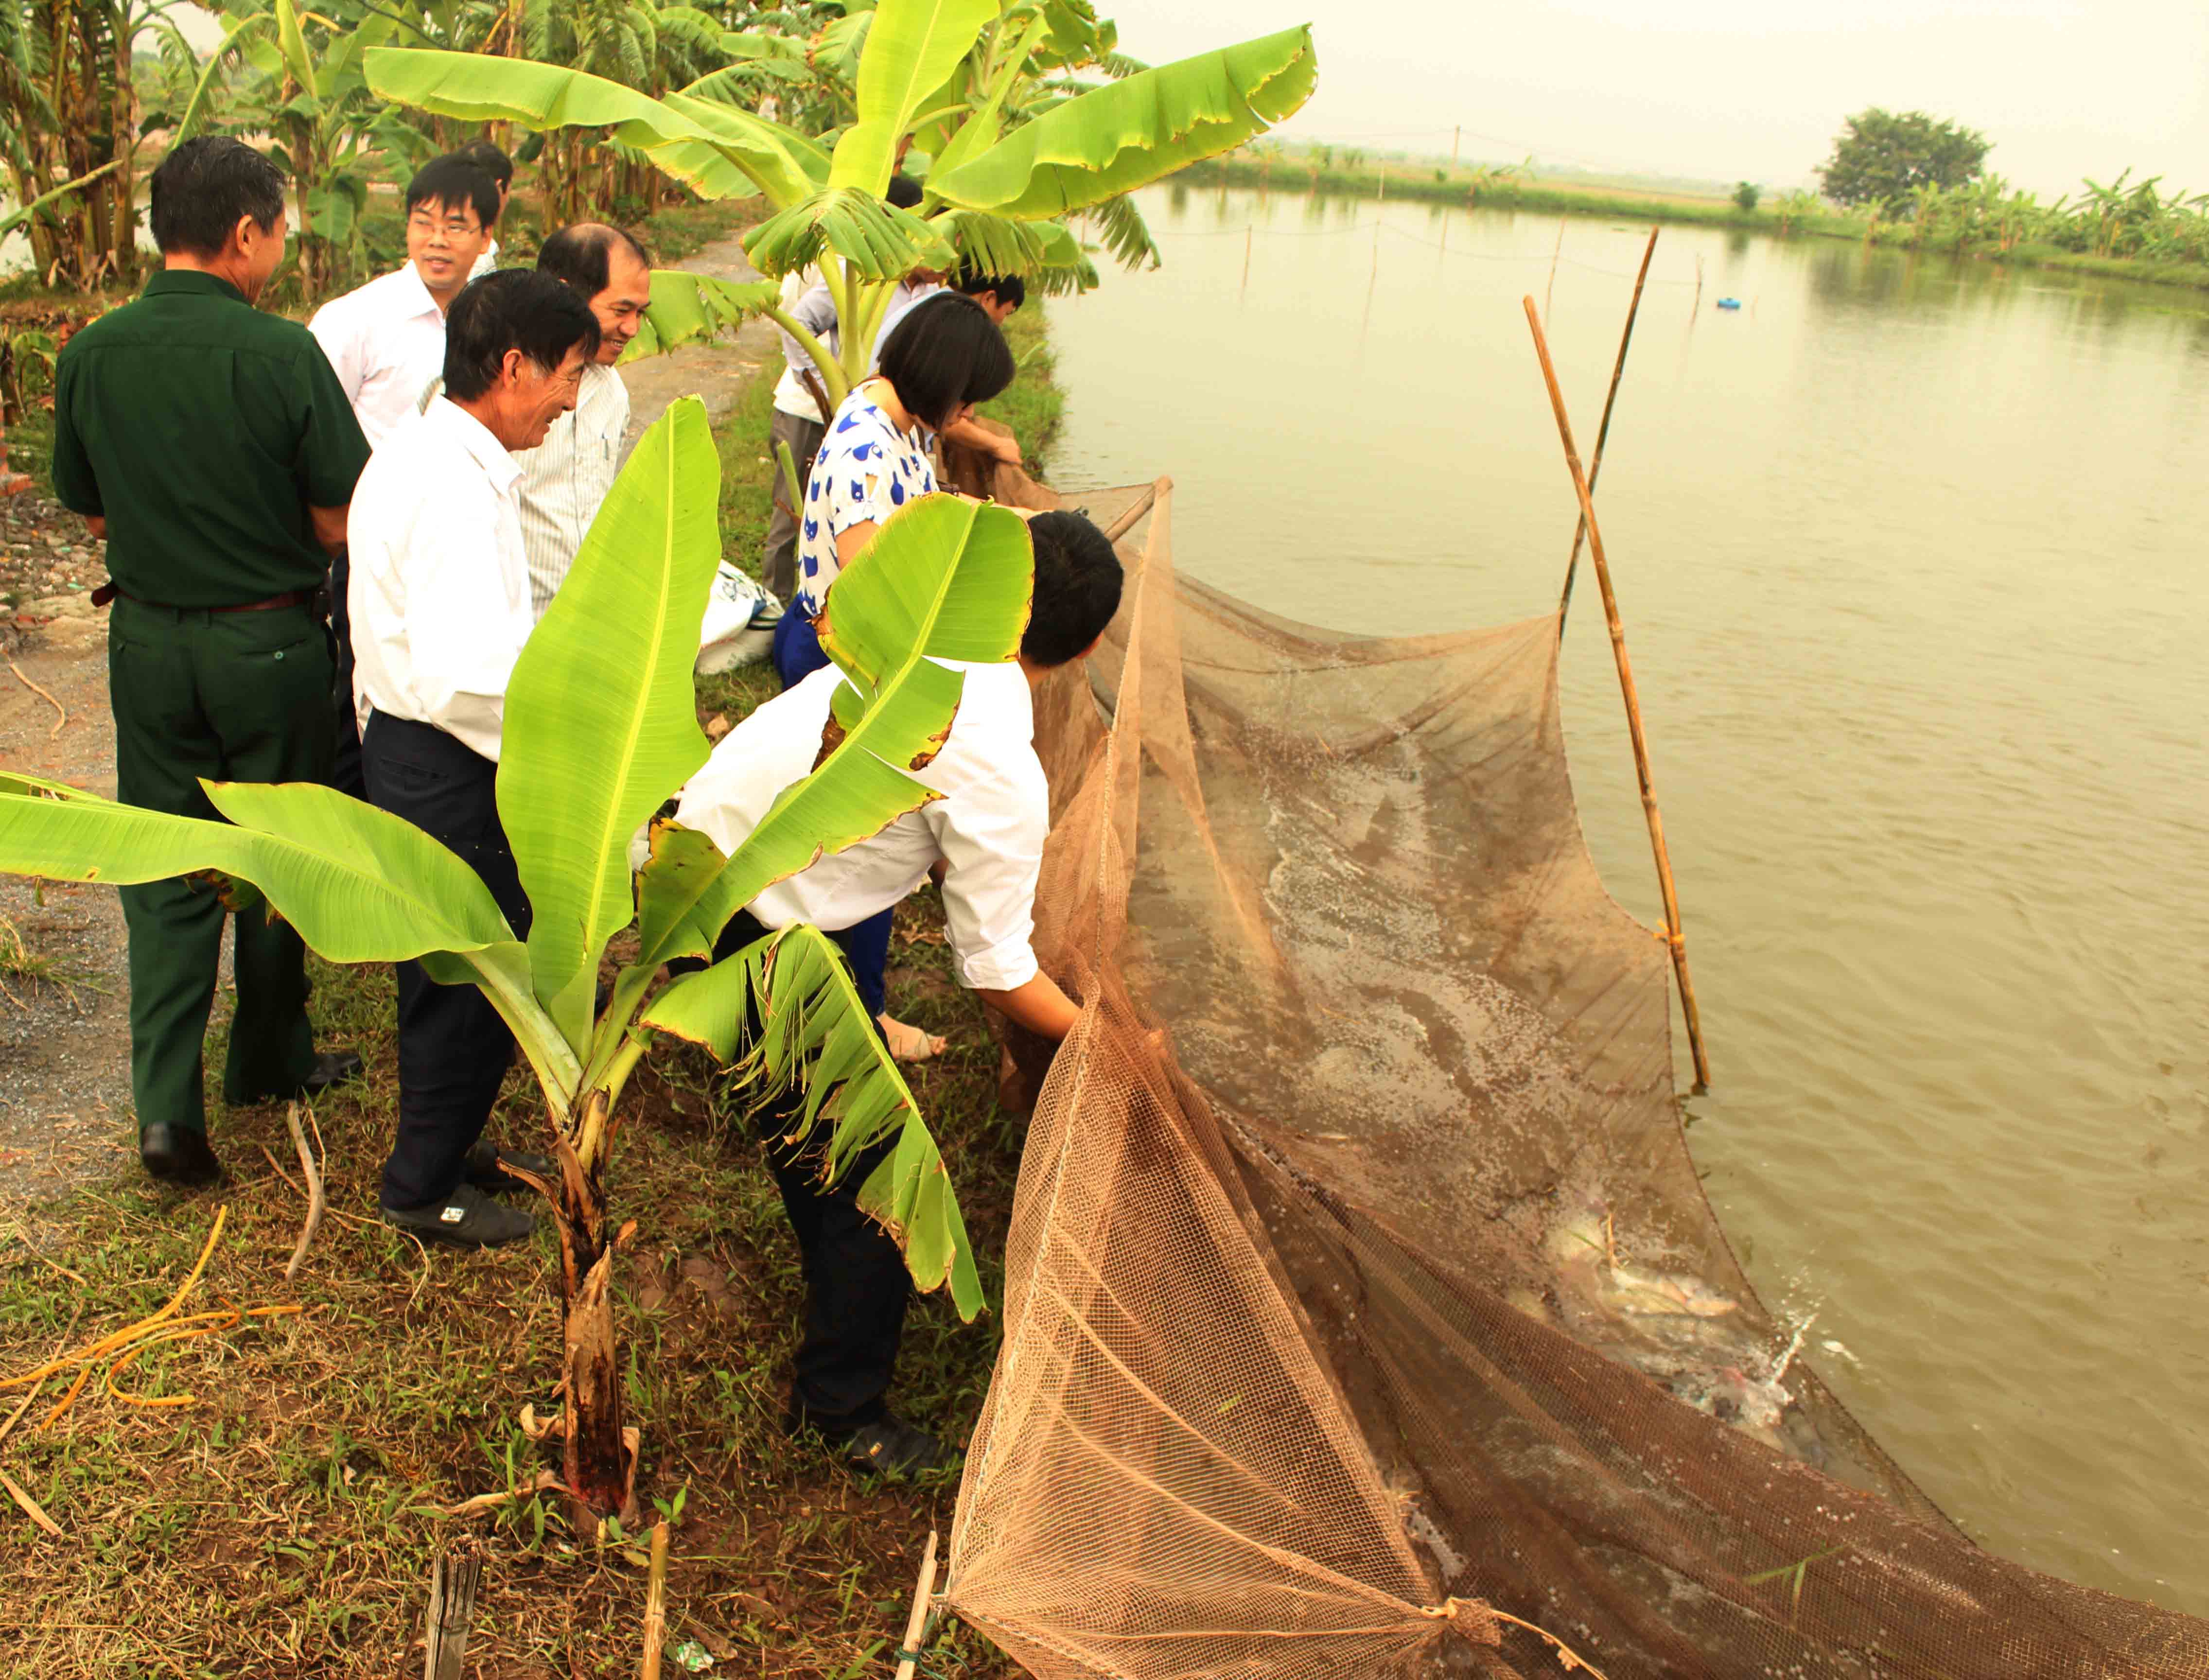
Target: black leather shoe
{"type": "Point", "coordinates": [481, 1167]}
{"type": "Point", "coordinates": [332, 1067]}
{"type": "Point", "coordinates": [467, 1218]}
{"type": "Point", "coordinates": [888, 1445]}
{"type": "Point", "coordinates": [178, 1155]}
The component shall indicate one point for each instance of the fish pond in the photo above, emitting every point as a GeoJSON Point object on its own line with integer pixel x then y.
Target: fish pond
{"type": "Point", "coordinates": [1910, 557]}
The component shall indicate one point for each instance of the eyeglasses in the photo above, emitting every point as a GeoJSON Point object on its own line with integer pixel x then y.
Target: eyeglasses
{"type": "Point", "coordinates": [453, 226]}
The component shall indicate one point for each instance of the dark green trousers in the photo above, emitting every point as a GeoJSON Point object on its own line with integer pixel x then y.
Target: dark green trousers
{"type": "Point", "coordinates": [232, 696]}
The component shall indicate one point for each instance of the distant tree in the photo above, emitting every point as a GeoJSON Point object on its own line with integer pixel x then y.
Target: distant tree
{"type": "Point", "coordinates": [1745, 194]}
{"type": "Point", "coordinates": [1882, 156]}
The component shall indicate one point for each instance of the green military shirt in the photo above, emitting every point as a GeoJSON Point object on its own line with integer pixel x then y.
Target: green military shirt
{"type": "Point", "coordinates": [203, 430]}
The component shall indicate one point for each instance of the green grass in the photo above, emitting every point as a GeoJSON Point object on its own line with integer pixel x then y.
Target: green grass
{"type": "Point", "coordinates": [1456, 187]}
{"type": "Point", "coordinates": [283, 1522]}
{"type": "Point", "coordinates": [25, 970]}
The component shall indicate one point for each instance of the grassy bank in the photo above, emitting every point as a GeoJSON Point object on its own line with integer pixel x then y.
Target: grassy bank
{"type": "Point", "coordinates": [1440, 185]}
{"type": "Point", "coordinates": [282, 1520]}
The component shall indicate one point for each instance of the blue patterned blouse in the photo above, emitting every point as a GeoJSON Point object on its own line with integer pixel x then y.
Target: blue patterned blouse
{"type": "Point", "coordinates": [866, 469]}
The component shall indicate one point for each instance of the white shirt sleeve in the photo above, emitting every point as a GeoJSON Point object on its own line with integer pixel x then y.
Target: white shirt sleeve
{"type": "Point", "coordinates": [339, 334]}
{"type": "Point", "coordinates": [990, 833]}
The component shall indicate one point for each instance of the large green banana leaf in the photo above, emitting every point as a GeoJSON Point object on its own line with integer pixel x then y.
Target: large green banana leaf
{"type": "Point", "coordinates": [601, 718]}
{"type": "Point", "coordinates": [782, 162]}
{"type": "Point", "coordinates": [360, 884]}
{"type": "Point", "coordinates": [719, 150]}
{"type": "Point", "coordinates": [980, 129]}
{"type": "Point", "coordinates": [912, 47]}
{"type": "Point", "coordinates": [817, 1034]}
{"type": "Point", "coordinates": [1046, 252]}
{"type": "Point", "coordinates": [297, 58]}
{"type": "Point", "coordinates": [693, 309]}
{"type": "Point", "coordinates": [1127, 134]}
{"type": "Point", "coordinates": [878, 241]}
{"type": "Point", "coordinates": [946, 579]}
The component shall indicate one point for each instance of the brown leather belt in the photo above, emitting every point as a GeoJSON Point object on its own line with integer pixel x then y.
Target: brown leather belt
{"type": "Point", "coordinates": [108, 592]}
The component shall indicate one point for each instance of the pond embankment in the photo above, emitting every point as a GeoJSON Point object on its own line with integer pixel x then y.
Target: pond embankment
{"type": "Point", "coordinates": [282, 1520]}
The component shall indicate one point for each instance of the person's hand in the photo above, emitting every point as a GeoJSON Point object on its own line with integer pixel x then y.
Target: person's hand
{"type": "Point", "coordinates": [1008, 450]}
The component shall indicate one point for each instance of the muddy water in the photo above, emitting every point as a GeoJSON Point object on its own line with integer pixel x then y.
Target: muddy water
{"type": "Point", "coordinates": [1911, 557]}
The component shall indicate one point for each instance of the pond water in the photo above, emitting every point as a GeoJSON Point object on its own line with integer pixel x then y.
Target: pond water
{"type": "Point", "coordinates": [1910, 559]}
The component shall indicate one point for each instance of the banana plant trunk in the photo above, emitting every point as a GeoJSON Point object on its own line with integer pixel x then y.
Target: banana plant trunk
{"type": "Point", "coordinates": [596, 1462]}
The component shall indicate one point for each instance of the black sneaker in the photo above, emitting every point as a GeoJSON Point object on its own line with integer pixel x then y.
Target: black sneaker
{"type": "Point", "coordinates": [467, 1218]}
{"type": "Point", "coordinates": [481, 1167]}
{"type": "Point", "coordinates": [888, 1445]}
{"type": "Point", "coordinates": [178, 1155]}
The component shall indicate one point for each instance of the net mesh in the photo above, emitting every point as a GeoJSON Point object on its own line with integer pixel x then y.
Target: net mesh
{"type": "Point", "coordinates": [1359, 1280]}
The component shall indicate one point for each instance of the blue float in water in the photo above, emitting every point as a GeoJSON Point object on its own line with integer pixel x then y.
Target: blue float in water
{"type": "Point", "coordinates": [1729, 303]}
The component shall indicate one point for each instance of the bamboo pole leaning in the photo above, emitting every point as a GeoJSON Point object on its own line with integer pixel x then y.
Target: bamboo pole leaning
{"type": "Point", "coordinates": [1602, 431]}
{"type": "Point", "coordinates": [916, 1622]}
{"type": "Point", "coordinates": [1674, 937]}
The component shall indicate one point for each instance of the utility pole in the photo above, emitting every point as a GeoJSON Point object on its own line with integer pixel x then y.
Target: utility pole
{"type": "Point", "coordinates": [1457, 133]}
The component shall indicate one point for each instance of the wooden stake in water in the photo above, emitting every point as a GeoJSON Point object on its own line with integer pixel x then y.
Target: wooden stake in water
{"type": "Point", "coordinates": [1603, 431]}
{"type": "Point", "coordinates": [1246, 265]}
{"type": "Point", "coordinates": [916, 1624]}
{"type": "Point", "coordinates": [1556, 251]}
{"type": "Point", "coordinates": [1674, 937]}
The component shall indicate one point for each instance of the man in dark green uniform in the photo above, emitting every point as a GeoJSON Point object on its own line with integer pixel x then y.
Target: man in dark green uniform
{"type": "Point", "coordinates": [212, 447]}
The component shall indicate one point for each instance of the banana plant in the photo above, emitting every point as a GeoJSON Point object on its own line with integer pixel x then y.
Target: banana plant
{"type": "Point", "coordinates": [600, 729]}
{"type": "Point", "coordinates": [310, 94]}
{"type": "Point", "coordinates": [1006, 169]}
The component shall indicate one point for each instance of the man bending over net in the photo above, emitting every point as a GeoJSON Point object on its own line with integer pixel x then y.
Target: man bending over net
{"type": "Point", "coordinates": [988, 831]}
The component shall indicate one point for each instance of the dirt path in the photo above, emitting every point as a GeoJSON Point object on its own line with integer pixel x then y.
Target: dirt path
{"type": "Point", "coordinates": [715, 372]}
{"type": "Point", "coordinates": [65, 1114]}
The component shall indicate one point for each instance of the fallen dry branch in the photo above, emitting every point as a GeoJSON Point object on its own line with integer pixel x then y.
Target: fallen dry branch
{"type": "Point", "coordinates": [30, 1505]}
{"type": "Point", "coordinates": [61, 711]}
{"type": "Point", "coordinates": [316, 1203]}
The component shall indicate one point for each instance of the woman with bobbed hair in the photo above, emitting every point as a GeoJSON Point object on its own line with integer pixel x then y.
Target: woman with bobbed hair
{"type": "Point", "coordinates": [937, 364]}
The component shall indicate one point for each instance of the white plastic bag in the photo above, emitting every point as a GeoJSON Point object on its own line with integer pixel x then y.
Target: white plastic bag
{"type": "Point", "coordinates": [741, 614]}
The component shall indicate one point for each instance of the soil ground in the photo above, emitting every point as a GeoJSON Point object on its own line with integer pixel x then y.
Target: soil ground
{"type": "Point", "coordinates": [266, 1500]}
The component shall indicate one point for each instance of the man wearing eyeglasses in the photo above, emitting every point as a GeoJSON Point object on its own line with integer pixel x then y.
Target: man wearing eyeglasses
{"type": "Point", "coordinates": [387, 341]}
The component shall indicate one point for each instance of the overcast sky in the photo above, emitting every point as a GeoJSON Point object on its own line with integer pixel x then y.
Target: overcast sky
{"type": "Point", "coordinates": [1724, 89]}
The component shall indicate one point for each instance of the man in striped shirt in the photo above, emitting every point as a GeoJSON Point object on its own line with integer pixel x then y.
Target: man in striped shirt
{"type": "Point", "coordinates": [564, 479]}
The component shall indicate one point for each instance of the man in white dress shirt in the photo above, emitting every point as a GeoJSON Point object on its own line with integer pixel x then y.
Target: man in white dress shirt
{"type": "Point", "coordinates": [988, 830]}
{"type": "Point", "coordinates": [565, 477]}
{"type": "Point", "coordinates": [387, 338]}
{"type": "Point", "coordinates": [440, 613]}
{"type": "Point", "coordinates": [500, 167]}
{"type": "Point", "coordinates": [387, 341]}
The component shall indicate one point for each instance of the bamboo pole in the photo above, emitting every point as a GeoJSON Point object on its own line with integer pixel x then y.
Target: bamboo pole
{"type": "Point", "coordinates": [1674, 937]}
{"type": "Point", "coordinates": [655, 1604]}
{"type": "Point", "coordinates": [1246, 265]}
{"type": "Point", "coordinates": [1603, 431]}
{"type": "Point", "coordinates": [1556, 251]}
{"type": "Point", "coordinates": [917, 1623]}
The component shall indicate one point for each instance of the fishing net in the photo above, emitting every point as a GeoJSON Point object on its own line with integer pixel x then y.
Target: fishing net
{"type": "Point", "coordinates": [1363, 1307]}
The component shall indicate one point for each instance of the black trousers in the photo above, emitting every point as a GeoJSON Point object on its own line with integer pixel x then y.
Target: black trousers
{"type": "Point", "coordinates": [856, 1285]}
{"type": "Point", "coordinates": [454, 1050]}
{"type": "Point", "coordinates": [346, 772]}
